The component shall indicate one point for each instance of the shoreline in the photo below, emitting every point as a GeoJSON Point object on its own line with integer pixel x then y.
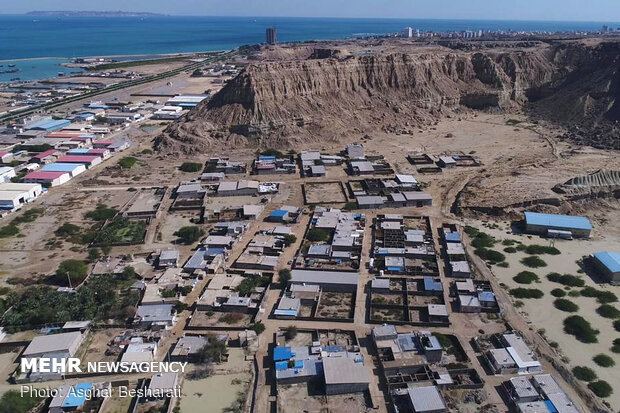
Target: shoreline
{"type": "Point", "coordinates": [171, 54]}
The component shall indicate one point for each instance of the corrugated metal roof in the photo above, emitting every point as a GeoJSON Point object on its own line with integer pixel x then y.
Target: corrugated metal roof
{"type": "Point", "coordinates": [557, 221]}
{"type": "Point", "coordinates": [611, 260]}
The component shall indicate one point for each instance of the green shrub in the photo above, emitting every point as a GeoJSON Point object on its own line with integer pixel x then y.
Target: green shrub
{"type": "Point", "coordinates": [566, 305]}
{"type": "Point", "coordinates": [566, 279]}
{"type": "Point", "coordinates": [74, 270]}
{"type": "Point", "coordinates": [190, 234]}
{"type": "Point", "coordinates": [508, 242]}
{"type": "Point", "coordinates": [127, 162]}
{"type": "Point", "coordinates": [608, 311]}
{"type": "Point", "coordinates": [503, 264]}
{"type": "Point", "coordinates": [558, 292]}
{"type": "Point", "coordinates": [258, 327]}
{"type": "Point", "coordinates": [533, 262]}
{"type": "Point", "coordinates": [490, 255]}
{"type": "Point", "coordinates": [603, 297]}
{"type": "Point", "coordinates": [541, 249]}
{"type": "Point", "coordinates": [190, 167]}
{"type": "Point", "coordinates": [574, 293]}
{"type": "Point", "coordinates": [101, 213]}
{"type": "Point", "coordinates": [290, 332]}
{"type": "Point", "coordinates": [616, 347]}
{"type": "Point", "coordinates": [601, 388]}
{"type": "Point", "coordinates": [604, 360]}
{"type": "Point", "coordinates": [584, 373]}
{"type": "Point", "coordinates": [67, 229]}
{"type": "Point", "coordinates": [526, 293]}
{"type": "Point", "coordinates": [285, 275]}
{"type": "Point", "coordinates": [617, 325]}
{"type": "Point", "coordinates": [482, 240]}
{"type": "Point", "coordinates": [582, 330]}
{"type": "Point", "coordinates": [471, 231]}
{"type": "Point", "coordinates": [525, 277]}
{"type": "Point", "coordinates": [510, 250]}
{"type": "Point", "coordinates": [9, 230]}
{"type": "Point", "coordinates": [521, 247]}
{"type": "Point", "coordinates": [317, 234]}
{"type": "Point", "coordinates": [14, 402]}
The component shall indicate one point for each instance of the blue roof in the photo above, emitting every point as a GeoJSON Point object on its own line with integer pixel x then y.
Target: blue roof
{"type": "Point", "coordinates": [333, 349]}
{"type": "Point", "coordinates": [431, 285]}
{"type": "Point", "coordinates": [551, 406]}
{"type": "Point", "coordinates": [77, 397]}
{"type": "Point", "coordinates": [79, 150]}
{"type": "Point", "coordinates": [453, 237]}
{"type": "Point", "coordinates": [281, 365]}
{"type": "Point", "coordinates": [286, 313]}
{"type": "Point", "coordinates": [267, 158]}
{"type": "Point", "coordinates": [214, 251]}
{"type": "Point", "coordinates": [392, 268]}
{"type": "Point", "coordinates": [557, 221]}
{"type": "Point", "coordinates": [282, 353]}
{"type": "Point", "coordinates": [406, 342]}
{"type": "Point", "coordinates": [611, 260]}
{"type": "Point", "coordinates": [61, 167]}
{"type": "Point", "coordinates": [50, 125]}
{"type": "Point", "coordinates": [487, 296]}
{"type": "Point", "coordinates": [278, 213]}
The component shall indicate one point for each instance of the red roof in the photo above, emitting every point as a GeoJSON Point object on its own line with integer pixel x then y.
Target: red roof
{"type": "Point", "coordinates": [81, 138]}
{"type": "Point", "coordinates": [45, 154]}
{"type": "Point", "coordinates": [78, 158]}
{"type": "Point", "coordinates": [100, 151]}
{"type": "Point", "coordinates": [3, 153]}
{"type": "Point", "coordinates": [64, 134]}
{"type": "Point", "coordinates": [45, 175]}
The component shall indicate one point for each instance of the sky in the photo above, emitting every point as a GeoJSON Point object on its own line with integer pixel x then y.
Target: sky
{"type": "Point", "coordinates": [565, 10]}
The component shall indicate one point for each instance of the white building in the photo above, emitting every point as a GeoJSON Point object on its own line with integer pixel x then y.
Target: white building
{"type": "Point", "coordinates": [6, 173]}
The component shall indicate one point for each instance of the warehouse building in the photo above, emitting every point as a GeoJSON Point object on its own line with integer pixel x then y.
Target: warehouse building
{"type": "Point", "coordinates": [557, 226]}
{"type": "Point", "coordinates": [328, 280]}
{"type": "Point", "coordinates": [6, 173]}
{"type": "Point", "coordinates": [74, 169]}
{"type": "Point", "coordinates": [48, 178]}
{"type": "Point", "coordinates": [608, 263]}
{"type": "Point", "coordinates": [88, 160]}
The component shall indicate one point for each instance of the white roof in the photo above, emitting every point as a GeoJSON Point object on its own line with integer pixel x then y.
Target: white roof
{"type": "Point", "coordinates": [52, 343]}
{"type": "Point", "coordinates": [344, 370]}
{"type": "Point", "coordinates": [406, 179]}
{"type": "Point", "coordinates": [426, 399]}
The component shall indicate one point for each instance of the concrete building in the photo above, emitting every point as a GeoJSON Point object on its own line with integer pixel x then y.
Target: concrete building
{"type": "Point", "coordinates": [355, 151]}
{"type": "Point", "coordinates": [6, 157]}
{"type": "Point", "coordinates": [6, 173]}
{"type": "Point", "coordinates": [29, 192]}
{"type": "Point", "coordinates": [426, 399]}
{"type": "Point", "coordinates": [557, 226]}
{"type": "Point", "coordinates": [271, 36]}
{"type": "Point", "coordinates": [344, 375]}
{"type": "Point", "coordinates": [608, 263]}
{"type": "Point", "coordinates": [168, 259]}
{"type": "Point", "coordinates": [552, 391]}
{"type": "Point", "coordinates": [158, 316]}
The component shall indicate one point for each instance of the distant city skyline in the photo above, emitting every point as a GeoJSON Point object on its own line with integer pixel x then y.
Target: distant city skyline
{"type": "Point", "coordinates": [552, 10]}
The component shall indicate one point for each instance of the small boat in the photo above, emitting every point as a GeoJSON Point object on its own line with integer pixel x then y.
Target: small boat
{"type": "Point", "coordinates": [11, 65]}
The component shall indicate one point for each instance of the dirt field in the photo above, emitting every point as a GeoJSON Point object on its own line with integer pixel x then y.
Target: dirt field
{"type": "Point", "coordinates": [543, 314]}
{"type": "Point", "coordinates": [328, 192]}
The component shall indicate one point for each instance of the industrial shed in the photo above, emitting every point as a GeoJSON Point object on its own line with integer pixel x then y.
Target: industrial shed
{"type": "Point", "coordinates": [557, 226]}
{"type": "Point", "coordinates": [608, 263]}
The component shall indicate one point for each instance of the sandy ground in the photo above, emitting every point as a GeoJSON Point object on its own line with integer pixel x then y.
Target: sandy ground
{"type": "Point", "coordinates": [542, 313]}
{"type": "Point", "coordinates": [213, 394]}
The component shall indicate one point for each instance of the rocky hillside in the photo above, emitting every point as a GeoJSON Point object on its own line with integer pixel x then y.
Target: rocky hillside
{"type": "Point", "coordinates": [331, 94]}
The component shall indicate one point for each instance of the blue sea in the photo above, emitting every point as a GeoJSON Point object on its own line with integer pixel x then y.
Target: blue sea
{"type": "Point", "coordinates": [38, 44]}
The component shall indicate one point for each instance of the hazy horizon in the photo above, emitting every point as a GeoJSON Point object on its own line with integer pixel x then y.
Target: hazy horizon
{"type": "Point", "coordinates": [526, 10]}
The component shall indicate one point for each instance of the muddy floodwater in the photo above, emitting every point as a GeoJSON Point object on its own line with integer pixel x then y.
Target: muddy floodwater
{"type": "Point", "coordinates": [213, 394]}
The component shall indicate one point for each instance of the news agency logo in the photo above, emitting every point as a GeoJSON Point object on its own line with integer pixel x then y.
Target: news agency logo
{"type": "Point", "coordinates": [71, 365]}
{"type": "Point", "coordinates": [51, 365]}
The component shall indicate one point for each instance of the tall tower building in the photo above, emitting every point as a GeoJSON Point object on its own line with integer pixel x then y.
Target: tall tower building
{"type": "Point", "coordinates": [271, 35]}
